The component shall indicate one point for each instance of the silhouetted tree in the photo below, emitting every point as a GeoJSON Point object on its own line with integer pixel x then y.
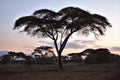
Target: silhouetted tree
{"type": "Point", "coordinates": [59, 26]}
{"type": "Point", "coordinates": [43, 54]}
{"type": "Point", "coordinates": [75, 57]}
{"type": "Point", "coordinates": [13, 55]}
{"type": "Point", "coordinates": [29, 60]}
{"type": "Point", "coordinates": [86, 52]}
{"type": "Point", "coordinates": [101, 55]}
{"type": "Point", "coordinates": [114, 58]}
{"type": "Point", "coordinates": [20, 55]}
{"type": "Point", "coordinates": [44, 51]}
{"type": "Point", "coordinates": [5, 59]}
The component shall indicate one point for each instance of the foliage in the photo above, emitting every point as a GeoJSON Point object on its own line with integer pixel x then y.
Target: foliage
{"type": "Point", "coordinates": [44, 55]}
{"type": "Point", "coordinates": [101, 56]}
{"type": "Point", "coordinates": [5, 59]}
{"type": "Point", "coordinates": [75, 57]}
{"type": "Point", "coordinates": [44, 51]}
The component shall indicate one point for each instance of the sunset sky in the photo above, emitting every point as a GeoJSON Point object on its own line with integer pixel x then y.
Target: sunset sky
{"type": "Point", "coordinates": [12, 40]}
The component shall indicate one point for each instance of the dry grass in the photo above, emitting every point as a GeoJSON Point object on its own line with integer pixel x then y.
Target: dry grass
{"type": "Point", "coordinates": [72, 71]}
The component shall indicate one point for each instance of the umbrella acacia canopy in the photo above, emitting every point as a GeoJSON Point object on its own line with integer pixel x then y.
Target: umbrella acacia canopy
{"type": "Point", "coordinates": [48, 23]}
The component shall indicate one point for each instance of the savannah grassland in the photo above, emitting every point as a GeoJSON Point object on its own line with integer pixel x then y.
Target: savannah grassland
{"type": "Point", "coordinates": [72, 71]}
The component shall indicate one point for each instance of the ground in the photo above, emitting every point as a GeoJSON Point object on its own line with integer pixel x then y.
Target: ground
{"type": "Point", "coordinates": [72, 71]}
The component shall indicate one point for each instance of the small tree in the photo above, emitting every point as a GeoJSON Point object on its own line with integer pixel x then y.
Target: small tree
{"type": "Point", "coordinates": [12, 55]}
{"type": "Point", "coordinates": [59, 26]}
{"type": "Point", "coordinates": [44, 51]}
{"type": "Point", "coordinates": [5, 59]}
{"type": "Point", "coordinates": [44, 54]}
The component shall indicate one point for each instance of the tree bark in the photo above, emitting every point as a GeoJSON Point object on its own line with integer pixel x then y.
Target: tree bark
{"type": "Point", "coordinates": [60, 64]}
{"type": "Point", "coordinates": [59, 51]}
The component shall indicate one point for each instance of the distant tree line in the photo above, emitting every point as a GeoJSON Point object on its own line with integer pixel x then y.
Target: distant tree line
{"type": "Point", "coordinates": [15, 57]}
{"type": "Point", "coordinates": [97, 56]}
{"type": "Point", "coordinates": [45, 55]}
{"type": "Point", "coordinates": [40, 55]}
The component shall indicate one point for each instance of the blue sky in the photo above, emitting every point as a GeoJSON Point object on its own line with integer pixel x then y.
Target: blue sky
{"type": "Point", "coordinates": [11, 10]}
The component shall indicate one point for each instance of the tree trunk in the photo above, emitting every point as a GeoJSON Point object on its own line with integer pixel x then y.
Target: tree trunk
{"type": "Point", "coordinates": [60, 64]}
{"type": "Point", "coordinates": [59, 51]}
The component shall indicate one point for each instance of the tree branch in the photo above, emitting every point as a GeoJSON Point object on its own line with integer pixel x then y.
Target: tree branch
{"type": "Point", "coordinates": [61, 37]}
{"type": "Point", "coordinates": [65, 42]}
{"type": "Point", "coordinates": [56, 46]}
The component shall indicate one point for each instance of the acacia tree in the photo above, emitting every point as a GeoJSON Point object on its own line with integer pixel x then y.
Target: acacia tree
{"type": "Point", "coordinates": [44, 51]}
{"type": "Point", "coordinates": [12, 54]}
{"type": "Point", "coordinates": [59, 26]}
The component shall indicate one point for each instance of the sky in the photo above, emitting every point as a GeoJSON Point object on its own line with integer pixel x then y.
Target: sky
{"type": "Point", "coordinates": [12, 40]}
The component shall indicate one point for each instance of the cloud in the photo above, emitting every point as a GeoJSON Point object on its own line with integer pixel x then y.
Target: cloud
{"type": "Point", "coordinates": [74, 45]}
{"type": "Point", "coordinates": [85, 41]}
{"type": "Point", "coordinates": [29, 48]}
{"type": "Point", "coordinates": [115, 48]}
{"type": "Point", "coordinates": [88, 42]}
{"type": "Point", "coordinates": [46, 43]}
{"type": "Point", "coordinates": [98, 46]}
{"type": "Point", "coordinates": [43, 41]}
